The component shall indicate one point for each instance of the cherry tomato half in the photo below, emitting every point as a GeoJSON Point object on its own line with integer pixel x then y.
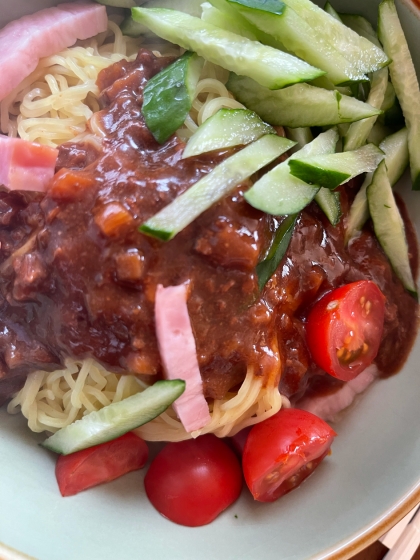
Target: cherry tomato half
{"type": "Point", "coordinates": [101, 463]}
{"type": "Point", "coordinates": [344, 329]}
{"type": "Point", "coordinates": [192, 481]}
{"type": "Point", "coordinates": [282, 451]}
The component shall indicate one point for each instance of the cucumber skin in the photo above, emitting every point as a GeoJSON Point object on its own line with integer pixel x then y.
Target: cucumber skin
{"type": "Point", "coordinates": [389, 227]}
{"type": "Point", "coordinates": [318, 176]}
{"type": "Point", "coordinates": [300, 105]}
{"type": "Point", "coordinates": [59, 442]}
{"type": "Point", "coordinates": [168, 96]}
{"type": "Point", "coordinates": [215, 45]}
{"type": "Point", "coordinates": [329, 202]}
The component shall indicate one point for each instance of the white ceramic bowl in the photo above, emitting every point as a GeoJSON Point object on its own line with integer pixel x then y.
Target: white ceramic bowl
{"type": "Point", "coordinates": [371, 480]}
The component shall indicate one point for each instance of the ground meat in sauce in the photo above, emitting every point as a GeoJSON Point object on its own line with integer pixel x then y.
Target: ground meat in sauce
{"type": "Point", "coordinates": [78, 279]}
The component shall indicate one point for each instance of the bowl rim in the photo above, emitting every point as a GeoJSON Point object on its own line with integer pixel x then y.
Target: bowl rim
{"type": "Point", "coordinates": [413, 6]}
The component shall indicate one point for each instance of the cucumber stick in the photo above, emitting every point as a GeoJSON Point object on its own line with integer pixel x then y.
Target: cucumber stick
{"type": "Point", "coordinates": [359, 131]}
{"type": "Point", "coordinates": [330, 10]}
{"type": "Point", "coordinates": [214, 186]}
{"type": "Point", "coordinates": [395, 148]}
{"type": "Point", "coordinates": [329, 202]}
{"type": "Point", "coordinates": [389, 226]}
{"type": "Point", "coordinates": [225, 21]}
{"type": "Point", "coordinates": [299, 105]}
{"type": "Point", "coordinates": [116, 419]}
{"type": "Point", "coordinates": [361, 26]}
{"type": "Point", "coordinates": [269, 67]}
{"type": "Point", "coordinates": [392, 114]}
{"type": "Point", "coordinates": [298, 37]}
{"type": "Point", "coordinates": [358, 50]}
{"type": "Point", "coordinates": [225, 129]}
{"type": "Point", "coordinates": [332, 170]}
{"type": "Point", "coordinates": [278, 192]}
{"type": "Point", "coordinates": [168, 96]}
{"type": "Point", "coordinates": [301, 136]}
{"type": "Point", "coordinates": [404, 79]}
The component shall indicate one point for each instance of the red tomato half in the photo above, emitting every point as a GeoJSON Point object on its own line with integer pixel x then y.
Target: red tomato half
{"type": "Point", "coordinates": [282, 451]}
{"type": "Point", "coordinates": [192, 481]}
{"type": "Point", "coordinates": [344, 329]}
{"type": "Point", "coordinates": [101, 463]}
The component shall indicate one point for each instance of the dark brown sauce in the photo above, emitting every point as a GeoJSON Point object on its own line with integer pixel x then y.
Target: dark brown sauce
{"type": "Point", "coordinates": [85, 283]}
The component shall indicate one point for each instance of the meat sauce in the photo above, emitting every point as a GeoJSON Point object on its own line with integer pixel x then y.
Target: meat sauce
{"type": "Point", "coordinates": [78, 279]}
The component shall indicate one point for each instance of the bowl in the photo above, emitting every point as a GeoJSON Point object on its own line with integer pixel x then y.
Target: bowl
{"type": "Point", "coordinates": [368, 484]}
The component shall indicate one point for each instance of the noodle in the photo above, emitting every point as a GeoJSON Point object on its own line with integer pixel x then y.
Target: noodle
{"type": "Point", "coordinates": [56, 104]}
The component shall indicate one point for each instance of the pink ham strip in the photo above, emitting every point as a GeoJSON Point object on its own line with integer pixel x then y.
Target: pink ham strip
{"type": "Point", "coordinates": [25, 165]}
{"type": "Point", "coordinates": [24, 41]}
{"type": "Point", "coordinates": [179, 355]}
{"type": "Point", "coordinates": [327, 407]}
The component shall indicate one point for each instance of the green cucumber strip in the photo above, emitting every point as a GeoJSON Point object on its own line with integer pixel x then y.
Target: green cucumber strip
{"type": "Point", "coordinates": [378, 133]}
{"type": "Point", "coordinates": [361, 26]}
{"type": "Point", "coordinates": [299, 105]}
{"type": "Point", "coordinates": [392, 114]}
{"type": "Point", "coordinates": [395, 148]}
{"type": "Point", "coordinates": [299, 37]}
{"type": "Point", "coordinates": [324, 82]}
{"type": "Point", "coordinates": [359, 211]}
{"type": "Point", "coordinates": [225, 129]}
{"type": "Point", "coordinates": [330, 10]}
{"type": "Point", "coordinates": [225, 21]}
{"type": "Point", "coordinates": [214, 186]}
{"type": "Point", "coordinates": [266, 268]}
{"type": "Point", "coordinates": [329, 202]}
{"type": "Point", "coordinates": [132, 28]}
{"type": "Point", "coordinates": [168, 96]}
{"type": "Point", "coordinates": [404, 79]}
{"type": "Point", "coordinates": [389, 227]}
{"type": "Point", "coordinates": [301, 136]}
{"type": "Point", "coordinates": [332, 170]}
{"type": "Point", "coordinates": [116, 419]}
{"type": "Point", "coordinates": [227, 49]}
{"type": "Point", "coordinates": [358, 50]}
{"type": "Point", "coordinates": [358, 132]}
{"type": "Point", "coordinates": [278, 192]}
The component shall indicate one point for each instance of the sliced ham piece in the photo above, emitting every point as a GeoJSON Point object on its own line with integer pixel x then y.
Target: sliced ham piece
{"type": "Point", "coordinates": [25, 165]}
{"type": "Point", "coordinates": [179, 355]}
{"type": "Point", "coordinates": [24, 41]}
{"type": "Point", "coordinates": [328, 406]}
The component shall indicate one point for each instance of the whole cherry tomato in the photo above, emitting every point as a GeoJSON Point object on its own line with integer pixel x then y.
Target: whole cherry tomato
{"type": "Point", "coordinates": [282, 451]}
{"type": "Point", "coordinates": [193, 481]}
{"type": "Point", "coordinates": [344, 329]}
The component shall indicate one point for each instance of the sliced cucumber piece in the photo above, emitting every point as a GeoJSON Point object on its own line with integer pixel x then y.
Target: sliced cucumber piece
{"type": "Point", "coordinates": [132, 28]}
{"type": "Point", "coordinates": [116, 419]}
{"type": "Point", "coordinates": [299, 105]}
{"type": "Point", "coordinates": [225, 21]}
{"type": "Point", "coordinates": [404, 79]}
{"type": "Point", "coordinates": [301, 136]}
{"type": "Point", "coordinates": [359, 211]}
{"type": "Point", "coordinates": [329, 202]}
{"type": "Point", "coordinates": [227, 49]}
{"type": "Point", "coordinates": [324, 82]}
{"type": "Point", "coordinates": [266, 268]}
{"type": "Point", "coordinates": [389, 226]}
{"type": "Point", "coordinates": [332, 170]}
{"type": "Point", "coordinates": [395, 148]}
{"type": "Point", "coordinates": [227, 128]}
{"type": "Point", "coordinates": [299, 37]}
{"type": "Point", "coordinates": [359, 132]}
{"type": "Point", "coordinates": [330, 10]}
{"type": "Point", "coordinates": [361, 26]}
{"type": "Point", "coordinates": [358, 50]}
{"type": "Point", "coordinates": [168, 96]}
{"type": "Point", "coordinates": [278, 192]}
{"type": "Point", "coordinates": [214, 186]}
{"type": "Point", "coordinates": [392, 114]}
{"type": "Point", "coordinates": [378, 133]}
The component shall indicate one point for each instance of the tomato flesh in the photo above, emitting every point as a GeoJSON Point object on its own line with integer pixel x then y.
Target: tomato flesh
{"type": "Point", "coordinates": [344, 329]}
{"type": "Point", "coordinates": [193, 481]}
{"type": "Point", "coordinates": [101, 463]}
{"type": "Point", "coordinates": [284, 450]}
